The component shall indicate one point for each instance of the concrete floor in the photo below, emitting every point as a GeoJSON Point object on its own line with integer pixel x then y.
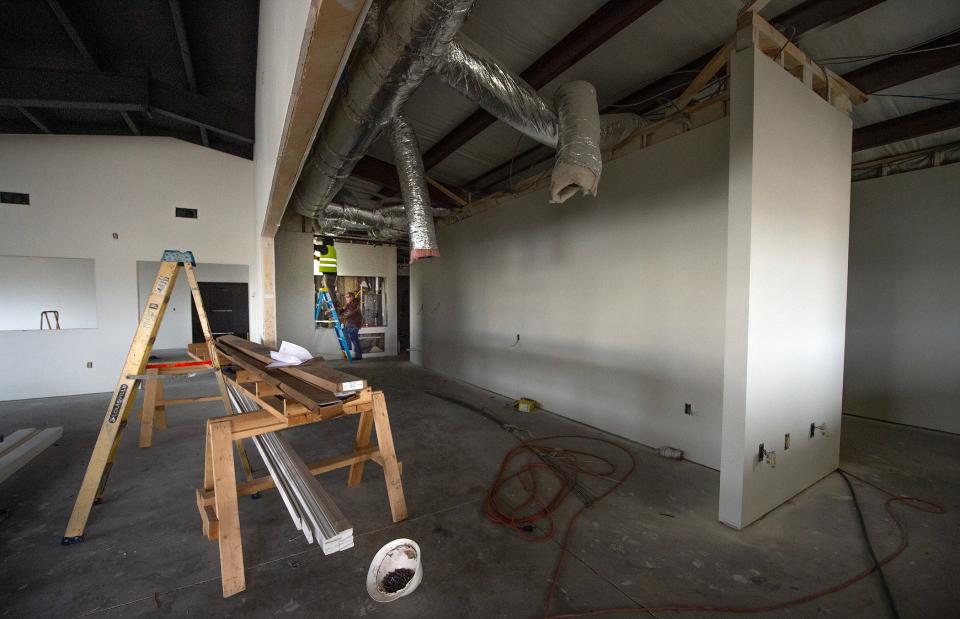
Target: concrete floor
{"type": "Point", "coordinates": [656, 541]}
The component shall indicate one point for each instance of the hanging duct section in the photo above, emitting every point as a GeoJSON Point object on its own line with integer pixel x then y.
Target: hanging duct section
{"type": "Point", "coordinates": [404, 40]}
{"type": "Point", "coordinates": [475, 74]}
{"type": "Point", "coordinates": [413, 188]}
{"type": "Point", "coordinates": [578, 163]}
{"type": "Point", "coordinates": [412, 35]}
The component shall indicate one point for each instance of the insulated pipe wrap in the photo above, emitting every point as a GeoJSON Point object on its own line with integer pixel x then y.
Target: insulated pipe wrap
{"type": "Point", "coordinates": [578, 163]}
{"type": "Point", "coordinates": [413, 34]}
{"type": "Point", "coordinates": [471, 71]}
{"type": "Point", "coordinates": [413, 188]}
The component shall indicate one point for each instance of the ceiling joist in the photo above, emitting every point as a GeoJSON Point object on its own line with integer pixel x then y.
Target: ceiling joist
{"type": "Point", "coordinates": [918, 124]}
{"type": "Point", "coordinates": [122, 93]}
{"type": "Point", "coordinates": [603, 24]}
{"type": "Point", "coordinates": [895, 70]}
{"type": "Point", "coordinates": [802, 19]}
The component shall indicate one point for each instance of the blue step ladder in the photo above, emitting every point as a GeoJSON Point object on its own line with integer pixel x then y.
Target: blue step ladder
{"type": "Point", "coordinates": [324, 301]}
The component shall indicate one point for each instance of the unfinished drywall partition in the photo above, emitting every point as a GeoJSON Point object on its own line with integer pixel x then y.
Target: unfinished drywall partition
{"type": "Point", "coordinates": [83, 189]}
{"type": "Point", "coordinates": [786, 287]}
{"type": "Point", "coordinates": [607, 310]}
{"type": "Point", "coordinates": [295, 290]}
{"type": "Point", "coordinates": [903, 313]}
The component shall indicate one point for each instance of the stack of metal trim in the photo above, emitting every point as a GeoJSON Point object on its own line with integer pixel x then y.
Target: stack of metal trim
{"type": "Point", "coordinates": [311, 508]}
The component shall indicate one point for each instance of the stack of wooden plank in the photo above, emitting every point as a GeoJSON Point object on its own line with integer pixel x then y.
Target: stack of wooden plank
{"type": "Point", "coordinates": [24, 445]}
{"type": "Point", "coordinates": [288, 391]}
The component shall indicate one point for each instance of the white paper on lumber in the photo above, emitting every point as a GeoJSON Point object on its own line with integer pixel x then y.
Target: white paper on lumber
{"type": "Point", "coordinates": [289, 354]}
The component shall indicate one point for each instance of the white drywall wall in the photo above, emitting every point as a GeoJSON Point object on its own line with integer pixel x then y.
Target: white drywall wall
{"type": "Point", "coordinates": [31, 285]}
{"type": "Point", "coordinates": [903, 313]}
{"type": "Point", "coordinates": [786, 286]}
{"type": "Point", "coordinates": [295, 290]}
{"type": "Point", "coordinates": [279, 38]}
{"type": "Point", "coordinates": [176, 330]}
{"type": "Point", "coordinates": [618, 301]}
{"type": "Point", "coordinates": [82, 190]}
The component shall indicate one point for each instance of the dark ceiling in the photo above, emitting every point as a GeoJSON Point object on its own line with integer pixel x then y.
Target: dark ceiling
{"type": "Point", "coordinates": [179, 68]}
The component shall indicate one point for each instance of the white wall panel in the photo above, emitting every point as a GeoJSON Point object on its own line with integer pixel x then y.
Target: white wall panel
{"type": "Point", "coordinates": [82, 190]}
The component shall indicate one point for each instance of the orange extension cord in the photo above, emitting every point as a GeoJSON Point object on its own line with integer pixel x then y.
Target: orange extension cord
{"type": "Point", "coordinates": [532, 518]}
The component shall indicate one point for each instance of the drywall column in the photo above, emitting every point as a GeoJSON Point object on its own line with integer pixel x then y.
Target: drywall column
{"type": "Point", "coordinates": [788, 224]}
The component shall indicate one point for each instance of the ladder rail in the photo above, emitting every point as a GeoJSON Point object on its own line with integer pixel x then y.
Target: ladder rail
{"type": "Point", "coordinates": [323, 296]}
{"type": "Point", "coordinates": [124, 394]}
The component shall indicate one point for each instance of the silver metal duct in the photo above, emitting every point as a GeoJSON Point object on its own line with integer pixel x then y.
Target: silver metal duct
{"type": "Point", "coordinates": [578, 162]}
{"type": "Point", "coordinates": [474, 73]}
{"type": "Point", "coordinates": [413, 34]}
{"type": "Point", "coordinates": [615, 128]}
{"type": "Point", "coordinates": [413, 188]}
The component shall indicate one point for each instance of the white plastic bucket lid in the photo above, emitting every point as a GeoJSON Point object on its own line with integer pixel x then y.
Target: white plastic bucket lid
{"type": "Point", "coordinates": [400, 553]}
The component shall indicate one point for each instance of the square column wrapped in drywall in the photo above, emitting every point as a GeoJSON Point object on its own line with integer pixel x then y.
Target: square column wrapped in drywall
{"type": "Point", "coordinates": [787, 239]}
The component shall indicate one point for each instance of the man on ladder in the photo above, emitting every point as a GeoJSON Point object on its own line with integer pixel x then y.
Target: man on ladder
{"type": "Point", "coordinates": [352, 321]}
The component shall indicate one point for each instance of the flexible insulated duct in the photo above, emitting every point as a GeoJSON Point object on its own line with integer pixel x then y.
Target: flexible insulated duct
{"type": "Point", "coordinates": [578, 163]}
{"type": "Point", "coordinates": [413, 188]}
{"type": "Point", "coordinates": [413, 34]}
{"type": "Point", "coordinates": [474, 73]}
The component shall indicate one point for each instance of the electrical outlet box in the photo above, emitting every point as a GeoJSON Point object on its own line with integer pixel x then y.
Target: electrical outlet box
{"type": "Point", "coordinates": [786, 441]}
{"type": "Point", "coordinates": [813, 428]}
{"type": "Point", "coordinates": [687, 408]}
{"type": "Point", "coordinates": [89, 364]}
{"type": "Point", "coordinates": [761, 453]}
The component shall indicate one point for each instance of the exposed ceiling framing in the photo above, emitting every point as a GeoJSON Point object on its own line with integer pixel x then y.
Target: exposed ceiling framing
{"type": "Point", "coordinates": [924, 122]}
{"type": "Point", "coordinates": [807, 17]}
{"type": "Point", "coordinates": [121, 93]}
{"type": "Point", "coordinates": [603, 24]}
{"type": "Point", "coordinates": [154, 67]}
{"type": "Point", "coordinates": [897, 70]}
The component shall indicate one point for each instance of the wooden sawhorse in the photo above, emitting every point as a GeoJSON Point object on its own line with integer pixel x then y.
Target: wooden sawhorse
{"type": "Point", "coordinates": [217, 499]}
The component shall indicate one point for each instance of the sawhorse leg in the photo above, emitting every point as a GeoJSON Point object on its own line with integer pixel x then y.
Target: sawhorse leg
{"type": "Point", "coordinates": [364, 430]}
{"type": "Point", "coordinates": [224, 481]}
{"type": "Point", "coordinates": [391, 468]}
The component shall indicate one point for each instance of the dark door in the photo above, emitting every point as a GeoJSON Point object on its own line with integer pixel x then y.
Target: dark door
{"type": "Point", "coordinates": [228, 309]}
{"type": "Point", "coordinates": [403, 315]}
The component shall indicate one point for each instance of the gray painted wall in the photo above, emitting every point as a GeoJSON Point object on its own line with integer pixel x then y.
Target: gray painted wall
{"type": "Point", "coordinates": [618, 301]}
{"type": "Point", "coordinates": [903, 315]}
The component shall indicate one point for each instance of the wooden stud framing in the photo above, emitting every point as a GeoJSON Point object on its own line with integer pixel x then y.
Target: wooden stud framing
{"type": "Point", "coordinates": [269, 291]}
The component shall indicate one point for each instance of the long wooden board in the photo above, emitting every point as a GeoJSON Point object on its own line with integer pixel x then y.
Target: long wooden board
{"type": "Point", "coordinates": [310, 396]}
{"type": "Point", "coordinates": [316, 371]}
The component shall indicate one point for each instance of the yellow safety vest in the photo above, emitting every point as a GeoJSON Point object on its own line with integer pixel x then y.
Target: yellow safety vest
{"type": "Point", "coordinates": [324, 259]}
